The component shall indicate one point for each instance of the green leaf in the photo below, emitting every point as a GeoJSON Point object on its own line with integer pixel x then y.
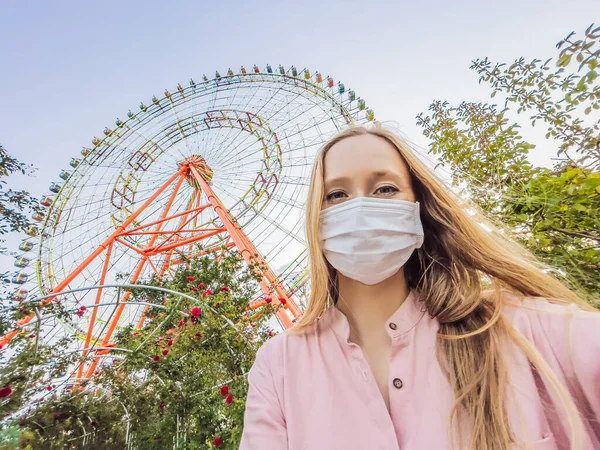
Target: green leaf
{"type": "Point", "coordinates": [591, 182]}
{"type": "Point", "coordinates": [564, 61]}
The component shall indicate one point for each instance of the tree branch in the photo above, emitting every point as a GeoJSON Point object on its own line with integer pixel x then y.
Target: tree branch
{"type": "Point", "coordinates": [579, 234]}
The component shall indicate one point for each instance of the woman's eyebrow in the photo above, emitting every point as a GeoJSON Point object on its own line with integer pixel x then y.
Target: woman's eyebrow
{"type": "Point", "coordinates": [385, 174]}
{"type": "Point", "coordinates": [374, 175]}
{"type": "Point", "coordinates": [336, 180]}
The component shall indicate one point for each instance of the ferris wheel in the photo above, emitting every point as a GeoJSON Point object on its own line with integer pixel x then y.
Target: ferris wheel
{"type": "Point", "coordinates": [222, 162]}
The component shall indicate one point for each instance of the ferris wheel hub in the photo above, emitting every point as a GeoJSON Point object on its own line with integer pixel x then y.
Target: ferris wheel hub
{"type": "Point", "coordinates": [201, 166]}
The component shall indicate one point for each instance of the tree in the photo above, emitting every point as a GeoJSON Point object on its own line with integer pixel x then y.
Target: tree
{"type": "Point", "coordinates": [182, 383]}
{"type": "Point", "coordinates": [13, 204]}
{"type": "Point", "coordinates": [553, 212]}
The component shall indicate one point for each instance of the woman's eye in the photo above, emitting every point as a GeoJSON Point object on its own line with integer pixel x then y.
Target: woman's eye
{"type": "Point", "coordinates": [387, 190]}
{"type": "Point", "coordinates": [335, 196]}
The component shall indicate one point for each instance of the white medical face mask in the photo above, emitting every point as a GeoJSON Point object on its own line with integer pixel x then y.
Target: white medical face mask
{"type": "Point", "coordinates": [370, 239]}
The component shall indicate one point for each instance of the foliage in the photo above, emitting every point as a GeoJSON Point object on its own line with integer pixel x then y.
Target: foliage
{"type": "Point", "coordinates": [181, 379]}
{"type": "Point", "coordinates": [9, 437]}
{"type": "Point", "coordinates": [13, 204]}
{"type": "Point", "coordinates": [74, 420]}
{"type": "Point", "coordinates": [555, 213]}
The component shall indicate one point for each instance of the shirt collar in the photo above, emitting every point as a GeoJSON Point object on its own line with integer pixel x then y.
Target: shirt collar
{"type": "Point", "coordinates": [406, 317]}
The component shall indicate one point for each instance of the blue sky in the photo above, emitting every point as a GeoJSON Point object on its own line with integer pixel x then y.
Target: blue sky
{"type": "Point", "coordinates": [68, 69]}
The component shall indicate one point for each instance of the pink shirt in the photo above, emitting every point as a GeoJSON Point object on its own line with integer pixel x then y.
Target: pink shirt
{"type": "Point", "coordinates": [316, 391]}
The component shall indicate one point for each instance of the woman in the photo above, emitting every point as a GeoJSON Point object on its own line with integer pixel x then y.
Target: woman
{"type": "Point", "coordinates": [423, 330]}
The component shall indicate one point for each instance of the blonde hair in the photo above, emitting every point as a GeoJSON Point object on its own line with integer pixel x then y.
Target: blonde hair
{"type": "Point", "coordinates": [447, 272]}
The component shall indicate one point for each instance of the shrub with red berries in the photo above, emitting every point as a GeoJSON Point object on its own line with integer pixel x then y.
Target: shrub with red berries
{"type": "Point", "coordinates": [180, 376]}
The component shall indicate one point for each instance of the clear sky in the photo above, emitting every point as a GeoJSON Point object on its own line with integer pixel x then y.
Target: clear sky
{"type": "Point", "coordinates": [68, 69]}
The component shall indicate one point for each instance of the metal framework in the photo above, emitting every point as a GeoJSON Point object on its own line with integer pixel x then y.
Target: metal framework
{"type": "Point", "coordinates": [219, 164]}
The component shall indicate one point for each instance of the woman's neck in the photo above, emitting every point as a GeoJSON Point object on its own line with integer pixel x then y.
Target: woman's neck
{"type": "Point", "coordinates": [369, 307]}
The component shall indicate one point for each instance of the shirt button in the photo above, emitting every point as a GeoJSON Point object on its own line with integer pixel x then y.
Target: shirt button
{"type": "Point", "coordinates": [393, 326]}
{"type": "Point", "coordinates": [397, 383]}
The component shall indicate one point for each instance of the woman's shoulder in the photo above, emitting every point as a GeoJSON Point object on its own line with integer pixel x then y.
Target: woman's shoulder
{"type": "Point", "coordinates": [566, 335]}
{"type": "Point", "coordinates": [552, 323]}
{"type": "Point", "coordinates": [520, 307]}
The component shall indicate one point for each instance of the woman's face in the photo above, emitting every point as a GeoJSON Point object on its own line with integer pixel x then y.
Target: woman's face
{"type": "Point", "coordinates": [365, 166]}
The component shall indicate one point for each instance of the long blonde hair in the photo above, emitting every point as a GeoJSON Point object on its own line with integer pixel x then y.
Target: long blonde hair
{"type": "Point", "coordinates": [448, 272]}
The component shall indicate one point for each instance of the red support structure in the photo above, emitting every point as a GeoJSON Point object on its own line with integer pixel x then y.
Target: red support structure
{"type": "Point", "coordinates": [169, 236]}
{"type": "Point", "coordinates": [62, 285]}
{"type": "Point", "coordinates": [249, 252]}
{"type": "Point", "coordinates": [89, 335]}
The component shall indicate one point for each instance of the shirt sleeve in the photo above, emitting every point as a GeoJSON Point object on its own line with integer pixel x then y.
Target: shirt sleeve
{"type": "Point", "coordinates": [264, 421]}
{"type": "Point", "coordinates": [584, 333]}
{"type": "Point", "coordinates": [572, 336]}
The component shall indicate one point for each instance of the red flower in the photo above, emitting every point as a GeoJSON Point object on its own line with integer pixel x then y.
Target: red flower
{"type": "Point", "coordinates": [206, 293]}
{"type": "Point", "coordinates": [181, 322]}
{"type": "Point", "coordinates": [194, 289]}
{"type": "Point", "coordinates": [224, 390]}
{"type": "Point", "coordinates": [135, 333]}
{"type": "Point", "coordinates": [217, 442]}
{"type": "Point", "coordinates": [190, 278]}
{"type": "Point", "coordinates": [49, 388]}
{"type": "Point", "coordinates": [270, 333]}
{"type": "Point", "coordinates": [170, 342]}
{"type": "Point", "coordinates": [224, 289]}
{"type": "Point", "coordinates": [115, 360]}
{"type": "Point", "coordinates": [268, 300]}
{"type": "Point", "coordinates": [83, 308]}
{"type": "Point", "coordinates": [193, 320]}
{"type": "Point", "coordinates": [165, 352]}
{"type": "Point", "coordinates": [229, 399]}
{"type": "Point", "coordinates": [162, 405]}
{"type": "Point", "coordinates": [32, 336]}
{"type": "Point", "coordinates": [198, 336]}
{"type": "Point", "coordinates": [196, 312]}
{"type": "Point", "coordinates": [156, 358]}
{"type": "Point", "coordinates": [5, 392]}
{"type": "Point", "coordinates": [81, 312]}
{"type": "Point", "coordinates": [252, 325]}
{"type": "Point", "coordinates": [283, 301]}
{"type": "Point", "coordinates": [201, 286]}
